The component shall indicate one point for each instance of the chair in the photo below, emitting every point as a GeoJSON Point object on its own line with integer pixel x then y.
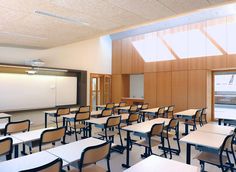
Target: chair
{"type": "Point", "coordinates": [84, 109]}
{"type": "Point", "coordinates": [192, 122]}
{"type": "Point", "coordinates": [133, 109]}
{"type": "Point", "coordinates": [112, 123]}
{"type": "Point", "coordinates": [60, 112]}
{"type": "Point", "coordinates": [6, 147]}
{"type": "Point", "coordinates": [54, 166]}
{"type": "Point", "coordinates": [51, 136]}
{"type": "Point", "coordinates": [219, 159]}
{"type": "Point", "coordinates": [203, 117]}
{"type": "Point", "coordinates": [106, 112]}
{"type": "Point", "coordinates": [160, 113]}
{"type": "Point", "coordinates": [122, 104]}
{"type": "Point", "coordinates": [144, 106]}
{"type": "Point", "coordinates": [149, 142]}
{"type": "Point", "coordinates": [172, 130]}
{"type": "Point", "coordinates": [16, 127]}
{"type": "Point", "coordinates": [109, 106]}
{"type": "Point", "coordinates": [170, 112]}
{"type": "Point", "coordinates": [93, 154]}
{"type": "Point", "coordinates": [79, 123]}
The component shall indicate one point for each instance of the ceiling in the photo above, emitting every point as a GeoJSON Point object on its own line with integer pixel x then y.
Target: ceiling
{"type": "Point", "coordinates": [20, 26]}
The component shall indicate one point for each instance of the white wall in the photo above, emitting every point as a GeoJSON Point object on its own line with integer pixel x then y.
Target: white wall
{"type": "Point", "coordinates": [93, 55]}
{"type": "Point", "coordinates": [136, 86]}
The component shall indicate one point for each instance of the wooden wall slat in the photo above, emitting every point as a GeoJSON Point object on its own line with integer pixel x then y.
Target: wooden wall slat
{"type": "Point", "coordinates": [116, 57]}
{"type": "Point", "coordinates": [150, 88]}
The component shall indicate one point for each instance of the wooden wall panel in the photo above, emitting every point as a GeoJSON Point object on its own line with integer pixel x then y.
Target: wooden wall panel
{"type": "Point", "coordinates": [150, 88]}
{"type": "Point", "coordinates": [163, 89]}
{"type": "Point", "coordinates": [180, 90]}
{"type": "Point", "coordinates": [116, 56]}
{"type": "Point", "coordinates": [216, 62]}
{"type": "Point", "coordinates": [231, 61]}
{"type": "Point", "coordinates": [116, 88]}
{"type": "Point", "coordinates": [179, 64]}
{"type": "Point", "coordinates": [197, 63]}
{"type": "Point", "coordinates": [163, 66]}
{"type": "Point", "coordinates": [150, 67]}
{"type": "Point", "coordinates": [197, 87]}
{"type": "Point", "coordinates": [125, 85]}
{"type": "Point", "coordinates": [137, 63]}
{"type": "Point", "coordinates": [127, 51]}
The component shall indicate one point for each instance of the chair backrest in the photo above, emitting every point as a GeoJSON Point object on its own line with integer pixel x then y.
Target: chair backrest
{"type": "Point", "coordinates": [204, 111]}
{"type": "Point", "coordinates": [133, 108]}
{"type": "Point", "coordinates": [157, 129]}
{"type": "Point", "coordinates": [133, 117]}
{"type": "Point", "coordinates": [197, 114]}
{"type": "Point", "coordinates": [106, 112]}
{"type": "Point", "coordinates": [170, 108]}
{"type": "Point", "coordinates": [161, 111]}
{"type": "Point", "coordinates": [6, 146]}
{"type": "Point", "coordinates": [122, 104]}
{"type": "Point", "coordinates": [84, 109]}
{"type": "Point", "coordinates": [54, 166]}
{"type": "Point", "coordinates": [18, 126]}
{"type": "Point", "coordinates": [173, 124]}
{"type": "Point", "coordinates": [110, 106]}
{"type": "Point", "coordinates": [93, 154]}
{"type": "Point", "coordinates": [113, 121]}
{"type": "Point", "coordinates": [81, 116]}
{"type": "Point", "coordinates": [51, 135]}
{"type": "Point", "coordinates": [228, 144]}
{"type": "Point", "coordinates": [63, 111]}
{"type": "Point", "coordinates": [144, 106]}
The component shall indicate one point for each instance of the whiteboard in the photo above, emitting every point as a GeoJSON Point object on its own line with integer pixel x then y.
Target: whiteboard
{"type": "Point", "coordinates": [22, 91]}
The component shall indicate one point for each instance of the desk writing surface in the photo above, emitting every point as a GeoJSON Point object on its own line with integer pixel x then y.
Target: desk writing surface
{"type": "Point", "coordinates": [15, 140]}
{"type": "Point", "coordinates": [158, 164]}
{"type": "Point", "coordinates": [103, 120]}
{"type": "Point", "coordinates": [4, 115]}
{"type": "Point", "coordinates": [30, 135]}
{"type": "Point", "coordinates": [224, 113]}
{"type": "Point", "coordinates": [28, 162]}
{"type": "Point", "coordinates": [210, 140]}
{"type": "Point", "coordinates": [189, 112]}
{"type": "Point", "coordinates": [55, 111]}
{"type": "Point", "coordinates": [217, 129]}
{"type": "Point", "coordinates": [145, 127]}
{"type": "Point", "coordinates": [152, 110]}
{"type": "Point", "coordinates": [71, 152]}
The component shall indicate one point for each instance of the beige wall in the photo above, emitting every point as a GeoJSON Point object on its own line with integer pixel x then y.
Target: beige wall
{"type": "Point", "coordinates": [93, 55]}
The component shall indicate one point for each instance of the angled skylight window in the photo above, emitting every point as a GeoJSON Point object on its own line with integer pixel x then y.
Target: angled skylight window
{"type": "Point", "coordinates": [191, 44]}
{"type": "Point", "coordinates": [152, 49]}
{"type": "Point", "coordinates": [231, 37]}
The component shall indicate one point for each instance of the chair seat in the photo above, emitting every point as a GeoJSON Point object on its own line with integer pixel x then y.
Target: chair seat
{"type": "Point", "coordinates": [90, 168]}
{"type": "Point", "coordinates": [77, 126]}
{"type": "Point", "coordinates": [211, 158]}
{"type": "Point", "coordinates": [145, 143]}
{"type": "Point", "coordinates": [170, 134]}
{"type": "Point", "coordinates": [109, 133]}
{"type": "Point", "coordinates": [189, 122]}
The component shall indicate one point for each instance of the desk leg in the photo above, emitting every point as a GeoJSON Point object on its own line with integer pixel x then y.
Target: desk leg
{"type": "Point", "coordinates": [9, 119]}
{"type": "Point", "coordinates": [219, 121]}
{"type": "Point", "coordinates": [144, 116]}
{"type": "Point", "coordinates": [46, 120]}
{"type": "Point", "coordinates": [64, 138]}
{"type": "Point", "coordinates": [188, 154]}
{"type": "Point", "coordinates": [186, 129]}
{"type": "Point", "coordinates": [16, 151]}
{"type": "Point", "coordinates": [127, 151]}
{"type": "Point", "coordinates": [90, 130]}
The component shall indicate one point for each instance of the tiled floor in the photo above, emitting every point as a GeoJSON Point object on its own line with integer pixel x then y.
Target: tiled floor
{"type": "Point", "coordinates": [117, 159]}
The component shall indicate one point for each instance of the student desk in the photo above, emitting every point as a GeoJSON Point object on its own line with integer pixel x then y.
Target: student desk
{"type": "Point", "coordinates": [140, 129]}
{"type": "Point", "coordinates": [158, 164]}
{"type": "Point", "coordinates": [187, 115]}
{"type": "Point", "coordinates": [104, 106]}
{"type": "Point", "coordinates": [151, 111]}
{"type": "Point", "coordinates": [28, 162]}
{"type": "Point", "coordinates": [15, 143]}
{"type": "Point", "coordinates": [227, 117]}
{"type": "Point", "coordinates": [210, 142]}
{"type": "Point", "coordinates": [126, 108]}
{"type": "Point", "coordinates": [30, 136]}
{"type": "Point", "coordinates": [54, 113]}
{"type": "Point", "coordinates": [4, 115]}
{"type": "Point", "coordinates": [217, 129]}
{"type": "Point", "coordinates": [71, 152]}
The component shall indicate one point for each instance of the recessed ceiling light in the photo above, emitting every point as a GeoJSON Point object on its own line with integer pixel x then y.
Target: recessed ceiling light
{"type": "Point", "coordinates": [66, 19]}
{"type": "Point", "coordinates": [22, 35]}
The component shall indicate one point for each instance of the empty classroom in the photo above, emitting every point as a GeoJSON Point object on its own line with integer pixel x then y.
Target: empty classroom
{"type": "Point", "coordinates": [117, 85]}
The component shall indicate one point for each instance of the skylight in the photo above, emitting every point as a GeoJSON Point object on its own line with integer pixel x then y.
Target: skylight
{"type": "Point", "coordinates": [152, 49]}
{"type": "Point", "coordinates": [191, 44]}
